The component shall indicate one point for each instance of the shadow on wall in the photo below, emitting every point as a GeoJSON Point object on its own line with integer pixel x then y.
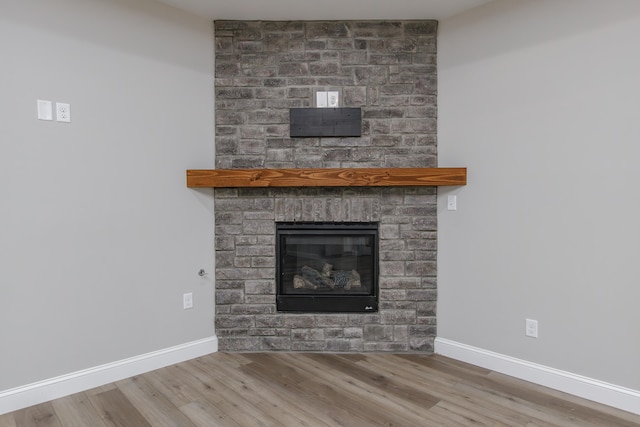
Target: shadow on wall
{"type": "Point", "coordinates": [68, 17]}
{"type": "Point", "coordinates": [508, 35]}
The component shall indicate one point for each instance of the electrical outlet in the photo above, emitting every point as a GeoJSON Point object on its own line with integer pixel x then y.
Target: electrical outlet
{"type": "Point", "coordinates": [531, 328]}
{"type": "Point", "coordinates": [187, 301]}
{"type": "Point", "coordinates": [63, 112]}
{"type": "Point", "coordinates": [333, 99]}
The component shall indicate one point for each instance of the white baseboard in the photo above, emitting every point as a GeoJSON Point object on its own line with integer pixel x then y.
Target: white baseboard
{"type": "Point", "coordinates": [75, 382]}
{"type": "Point", "coordinates": [587, 388]}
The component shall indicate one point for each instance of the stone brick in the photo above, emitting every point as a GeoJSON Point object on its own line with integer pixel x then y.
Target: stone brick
{"type": "Point", "coordinates": [224, 117]}
{"type": "Point", "coordinates": [269, 321]}
{"type": "Point", "coordinates": [378, 333]}
{"type": "Point", "coordinates": [424, 345]}
{"type": "Point", "coordinates": [293, 69]}
{"type": "Point", "coordinates": [426, 308]}
{"type": "Point", "coordinates": [260, 262]}
{"type": "Point", "coordinates": [389, 59]}
{"type": "Point", "coordinates": [261, 332]}
{"type": "Point", "coordinates": [389, 231]}
{"type": "Point", "coordinates": [230, 284]}
{"type": "Point", "coordinates": [400, 283]}
{"type": "Point", "coordinates": [239, 344]}
{"type": "Point", "coordinates": [253, 309]}
{"type": "Point", "coordinates": [431, 255]}
{"type": "Point", "coordinates": [258, 226]}
{"type": "Point", "coordinates": [393, 294]}
{"type": "Point", "coordinates": [223, 243]}
{"type": "Point", "coordinates": [371, 75]}
{"type": "Point", "coordinates": [398, 256]}
{"type": "Point", "coordinates": [396, 317]}
{"type": "Point", "coordinates": [421, 268]}
{"type": "Point", "coordinates": [308, 345]}
{"type": "Point", "coordinates": [332, 29]}
{"type": "Point", "coordinates": [330, 320]}
{"type": "Point", "coordinates": [229, 296]}
{"type": "Point", "coordinates": [260, 299]}
{"type": "Point", "coordinates": [268, 117]}
{"type": "Point", "coordinates": [228, 70]}
{"type": "Point", "coordinates": [299, 92]}
{"type": "Point", "coordinates": [354, 57]}
{"type": "Point", "coordinates": [421, 27]}
{"type": "Point", "coordinates": [224, 44]}
{"type": "Point", "coordinates": [422, 295]}
{"type": "Point", "coordinates": [255, 250]}
{"type": "Point", "coordinates": [249, 46]}
{"type": "Point", "coordinates": [314, 334]}
{"type": "Point", "coordinates": [228, 321]}
{"type": "Point", "coordinates": [334, 332]}
{"type": "Point", "coordinates": [268, 93]}
{"type": "Point", "coordinates": [389, 347]}
{"type": "Point", "coordinates": [353, 332]}
{"type": "Point", "coordinates": [299, 321]}
{"type": "Point", "coordinates": [225, 259]}
{"type": "Point", "coordinates": [392, 268]}
{"type": "Point", "coordinates": [324, 69]}
{"type": "Point", "coordinates": [344, 344]}
{"type": "Point", "coordinates": [236, 273]}
{"type": "Point", "coordinates": [234, 93]}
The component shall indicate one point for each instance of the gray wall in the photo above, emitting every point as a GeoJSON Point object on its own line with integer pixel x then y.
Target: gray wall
{"type": "Point", "coordinates": [540, 101]}
{"type": "Point", "coordinates": [99, 235]}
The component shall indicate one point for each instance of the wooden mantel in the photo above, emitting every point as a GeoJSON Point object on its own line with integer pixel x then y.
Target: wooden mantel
{"type": "Point", "coordinates": [326, 177]}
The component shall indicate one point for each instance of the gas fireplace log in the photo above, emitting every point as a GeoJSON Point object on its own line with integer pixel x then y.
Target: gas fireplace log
{"type": "Point", "coordinates": [300, 282]}
{"type": "Point", "coordinates": [315, 277]}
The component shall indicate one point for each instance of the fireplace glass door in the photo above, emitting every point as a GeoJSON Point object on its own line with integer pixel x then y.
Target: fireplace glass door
{"type": "Point", "coordinates": [327, 267]}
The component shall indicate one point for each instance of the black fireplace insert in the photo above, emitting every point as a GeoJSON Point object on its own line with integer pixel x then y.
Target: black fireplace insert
{"type": "Point", "coordinates": [327, 267]}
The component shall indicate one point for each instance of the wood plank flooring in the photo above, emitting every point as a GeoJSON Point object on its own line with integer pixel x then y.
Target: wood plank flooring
{"type": "Point", "coordinates": [305, 389]}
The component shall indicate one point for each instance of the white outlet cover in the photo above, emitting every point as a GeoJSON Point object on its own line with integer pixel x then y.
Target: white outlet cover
{"type": "Point", "coordinates": [63, 112]}
{"type": "Point", "coordinates": [333, 99]}
{"type": "Point", "coordinates": [187, 301]}
{"type": "Point", "coordinates": [531, 328]}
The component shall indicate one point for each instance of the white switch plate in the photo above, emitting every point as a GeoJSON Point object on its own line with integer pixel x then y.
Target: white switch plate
{"type": "Point", "coordinates": [45, 110]}
{"type": "Point", "coordinates": [321, 99]}
{"type": "Point", "coordinates": [63, 112]}
{"type": "Point", "coordinates": [531, 328]}
{"type": "Point", "coordinates": [452, 203]}
{"type": "Point", "coordinates": [187, 301]}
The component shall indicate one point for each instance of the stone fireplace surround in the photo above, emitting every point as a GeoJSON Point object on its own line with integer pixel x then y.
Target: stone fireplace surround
{"type": "Point", "coordinates": [388, 68]}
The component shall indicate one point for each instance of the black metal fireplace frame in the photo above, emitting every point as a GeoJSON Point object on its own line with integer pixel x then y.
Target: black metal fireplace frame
{"type": "Point", "coordinates": [320, 303]}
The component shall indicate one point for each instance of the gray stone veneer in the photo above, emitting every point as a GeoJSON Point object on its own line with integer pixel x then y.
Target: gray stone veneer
{"type": "Point", "coordinates": [264, 68]}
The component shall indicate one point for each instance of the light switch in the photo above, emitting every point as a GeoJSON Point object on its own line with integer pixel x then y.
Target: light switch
{"type": "Point", "coordinates": [452, 203]}
{"type": "Point", "coordinates": [321, 99]}
{"type": "Point", "coordinates": [45, 110]}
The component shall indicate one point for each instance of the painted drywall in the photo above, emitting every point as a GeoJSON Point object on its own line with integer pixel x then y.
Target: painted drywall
{"type": "Point", "coordinates": [99, 235]}
{"type": "Point", "coordinates": [539, 99]}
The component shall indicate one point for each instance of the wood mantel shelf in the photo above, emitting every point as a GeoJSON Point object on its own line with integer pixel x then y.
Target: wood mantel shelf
{"type": "Point", "coordinates": [326, 177]}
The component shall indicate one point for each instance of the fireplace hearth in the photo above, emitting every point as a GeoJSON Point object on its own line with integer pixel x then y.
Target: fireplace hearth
{"type": "Point", "coordinates": [327, 267]}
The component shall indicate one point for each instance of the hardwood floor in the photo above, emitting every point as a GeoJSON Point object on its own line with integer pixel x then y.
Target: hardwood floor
{"type": "Point", "coordinates": [304, 389]}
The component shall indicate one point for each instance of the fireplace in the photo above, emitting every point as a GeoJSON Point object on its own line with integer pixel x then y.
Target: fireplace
{"type": "Point", "coordinates": [327, 267]}
{"type": "Point", "coordinates": [388, 70]}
